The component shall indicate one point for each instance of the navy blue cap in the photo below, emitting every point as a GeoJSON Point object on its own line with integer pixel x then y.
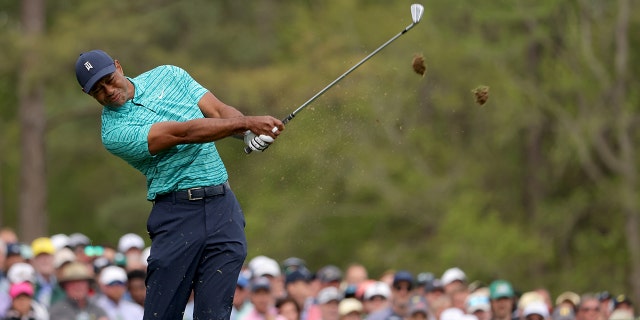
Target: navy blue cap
{"type": "Point", "coordinates": [260, 283]}
{"type": "Point", "coordinates": [91, 66]}
{"type": "Point", "coordinates": [403, 276]}
{"type": "Point", "coordinates": [298, 275]}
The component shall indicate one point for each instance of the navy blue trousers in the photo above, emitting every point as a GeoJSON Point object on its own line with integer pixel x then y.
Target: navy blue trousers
{"type": "Point", "coordinates": [195, 245]}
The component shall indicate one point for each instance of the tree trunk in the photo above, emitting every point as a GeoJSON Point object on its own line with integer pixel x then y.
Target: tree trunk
{"type": "Point", "coordinates": [32, 216]}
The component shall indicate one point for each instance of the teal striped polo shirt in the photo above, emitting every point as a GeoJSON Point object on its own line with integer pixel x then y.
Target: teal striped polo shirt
{"type": "Point", "coordinates": [166, 93]}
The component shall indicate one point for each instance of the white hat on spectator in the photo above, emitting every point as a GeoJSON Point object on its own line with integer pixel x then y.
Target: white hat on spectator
{"type": "Point", "coordinates": [377, 288]}
{"type": "Point", "coordinates": [452, 314]}
{"type": "Point", "coordinates": [536, 307]}
{"type": "Point", "coordinates": [453, 274]}
{"type": "Point", "coordinates": [130, 241]}
{"type": "Point", "coordinates": [113, 274]}
{"type": "Point", "coordinates": [21, 272]}
{"type": "Point", "coordinates": [329, 294]}
{"type": "Point", "coordinates": [59, 241]}
{"type": "Point", "coordinates": [63, 256]}
{"type": "Point", "coordinates": [261, 266]}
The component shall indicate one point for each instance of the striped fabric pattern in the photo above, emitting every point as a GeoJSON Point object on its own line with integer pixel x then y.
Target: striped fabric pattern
{"type": "Point", "coordinates": [166, 93]}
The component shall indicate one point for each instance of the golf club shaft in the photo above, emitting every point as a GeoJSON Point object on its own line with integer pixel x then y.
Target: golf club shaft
{"type": "Point", "coordinates": [248, 150]}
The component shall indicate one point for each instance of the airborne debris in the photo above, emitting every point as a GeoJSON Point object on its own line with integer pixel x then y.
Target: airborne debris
{"type": "Point", "coordinates": [418, 64]}
{"type": "Point", "coordinates": [482, 94]}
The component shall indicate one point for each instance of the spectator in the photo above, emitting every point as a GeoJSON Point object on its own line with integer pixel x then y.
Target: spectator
{"type": "Point", "coordinates": [418, 309]}
{"type": "Point", "coordinates": [623, 302]}
{"type": "Point", "coordinates": [350, 309]}
{"type": "Point", "coordinates": [479, 305]}
{"type": "Point", "coordinates": [328, 301]}
{"type": "Point", "coordinates": [454, 279]}
{"type": "Point", "coordinates": [535, 310]}
{"type": "Point", "coordinates": [14, 255]}
{"type": "Point", "coordinates": [76, 279]}
{"type": "Point", "coordinates": [263, 302]}
{"type": "Point", "coordinates": [563, 312]}
{"type": "Point", "coordinates": [262, 266]}
{"type": "Point", "coordinates": [136, 286]}
{"type": "Point", "coordinates": [433, 290]}
{"type": "Point", "coordinates": [569, 299]}
{"type": "Point", "coordinates": [131, 246]}
{"type": "Point", "coordinates": [113, 286]}
{"type": "Point", "coordinates": [399, 301]}
{"type": "Point", "coordinates": [298, 288]}
{"type": "Point", "coordinates": [376, 297]}
{"type": "Point", "coordinates": [527, 298]}
{"type": "Point", "coordinates": [329, 276]}
{"type": "Point", "coordinates": [77, 243]}
{"type": "Point", "coordinates": [589, 308]}
{"type": "Point", "coordinates": [23, 272]}
{"type": "Point", "coordinates": [47, 290]}
{"type": "Point", "coordinates": [288, 308]}
{"type": "Point", "coordinates": [355, 274]}
{"type": "Point", "coordinates": [502, 297]}
{"type": "Point", "coordinates": [241, 304]}
{"type": "Point", "coordinates": [21, 303]}
{"type": "Point", "coordinates": [606, 304]}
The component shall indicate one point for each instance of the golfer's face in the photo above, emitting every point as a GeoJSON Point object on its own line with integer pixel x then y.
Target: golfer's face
{"type": "Point", "coordinates": [112, 90]}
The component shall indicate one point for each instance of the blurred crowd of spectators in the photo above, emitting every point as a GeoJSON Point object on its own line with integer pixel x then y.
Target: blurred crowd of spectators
{"type": "Point", "coordinates": [67, 277]}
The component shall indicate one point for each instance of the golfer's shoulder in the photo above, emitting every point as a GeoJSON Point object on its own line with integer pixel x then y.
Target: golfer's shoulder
{"type": "Point", "coordinates": [163, 73]}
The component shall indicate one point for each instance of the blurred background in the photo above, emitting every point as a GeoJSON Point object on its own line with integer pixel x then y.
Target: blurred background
{"type": "Point", "coordinates": [389, 168]}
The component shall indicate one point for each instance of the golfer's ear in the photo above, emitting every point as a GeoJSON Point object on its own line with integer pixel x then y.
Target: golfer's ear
{"type": "Point", "coordinates": [118, 66]}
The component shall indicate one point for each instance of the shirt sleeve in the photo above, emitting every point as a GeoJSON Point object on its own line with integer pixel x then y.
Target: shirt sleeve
{"type": "Point", "coordinates": [128, 141]}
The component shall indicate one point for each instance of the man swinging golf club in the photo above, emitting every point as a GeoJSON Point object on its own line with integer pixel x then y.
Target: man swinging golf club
{"type": "Point", "coordinates": [164, 124]}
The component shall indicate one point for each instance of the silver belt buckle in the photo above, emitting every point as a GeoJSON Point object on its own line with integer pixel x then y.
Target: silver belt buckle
{"type": "Point", "coordinates": [191, 198]}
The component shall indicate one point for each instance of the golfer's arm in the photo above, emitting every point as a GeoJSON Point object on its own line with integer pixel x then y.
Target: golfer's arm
{"type": "Point", "coordinates": [164, 135]}
{"type": "Point", "coordinates": [212, 107]}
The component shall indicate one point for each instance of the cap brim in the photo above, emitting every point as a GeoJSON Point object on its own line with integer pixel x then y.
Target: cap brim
{"type": "Point", "coordinates": [96, 77]}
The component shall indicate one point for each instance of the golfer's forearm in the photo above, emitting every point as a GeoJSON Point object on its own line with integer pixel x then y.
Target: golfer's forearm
{"type": "Point", "coordinates": [164, 135]}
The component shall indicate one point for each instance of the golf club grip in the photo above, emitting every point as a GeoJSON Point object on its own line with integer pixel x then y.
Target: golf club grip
{"type": "Point", "coordinates": [286, 120]}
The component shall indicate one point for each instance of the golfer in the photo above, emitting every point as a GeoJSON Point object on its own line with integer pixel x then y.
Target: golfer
{"type": "Point", "coordinates": [164, 124]}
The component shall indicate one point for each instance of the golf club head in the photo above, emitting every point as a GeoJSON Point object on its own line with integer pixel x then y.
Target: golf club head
{"type": "Point", "coordinates": [416, 12]}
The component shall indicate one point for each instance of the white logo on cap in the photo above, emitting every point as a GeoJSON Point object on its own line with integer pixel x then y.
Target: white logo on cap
{"type": "Point", "coordinates": [88, 65]}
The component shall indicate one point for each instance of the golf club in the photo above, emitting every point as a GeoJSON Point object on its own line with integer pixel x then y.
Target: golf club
{"type": "Point", "coordinates": [416, 15]}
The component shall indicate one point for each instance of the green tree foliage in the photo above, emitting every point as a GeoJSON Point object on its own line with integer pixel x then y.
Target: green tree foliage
{"type": "Point", "coordinates": [386, 168]}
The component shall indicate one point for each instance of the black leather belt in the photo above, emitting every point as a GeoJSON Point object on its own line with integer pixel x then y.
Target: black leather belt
{"type": "Point", "coordinates": [193, 194]}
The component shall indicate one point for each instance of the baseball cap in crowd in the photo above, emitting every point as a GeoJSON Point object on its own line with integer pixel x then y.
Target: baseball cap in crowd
{"type": "Point", "coordinates": [529, 297]}
{"type": "Point", "coordinates": [417, 304]}
{"type": "Point", "coordinates": [423, 278]}
{"type": "Point", "coordinates": [377, 289]}
{"type": "Point", "coordinates": [570, 297]}
{"type": "Point", "coordinates": [130, 241]}
{"type": "Point", "coordinates": [563, 313]}
{"type": "Point", "coordinates": [42, 245]}
{"type": "Point", "coordinates": [621, 314]}
{"type": "Point", "coordinates": [91, 66]}
{"type": "Point", "coordinates": [621, 299]}
{"type": "Point", "coordinates": [78, 239]}
{"type": "Point", "coordinates": [59, 240]}
{"type": "Point", "coordinates": [22, 288]}
{"type": "Point", "coordinates": [260, 283]}
{"type": "Point", "coordinates": [21, 272]}
{"type": "Point", "coordinates": [477, 302]}
{"type": "Point", "coordinates": [243, 281]}
{"type": "Point", "coordinates": [451, 314]}
{"type": "Point", "coordinates": [329, 294]}
{"type": "Point", "coordinates": [349, 305]}
{"type": "Point", "coordinates": [297, 275]}
{"type": "Point", "coordinates": [113, 275]}
{"type": "Point", "coordinates": [293, 263]}
{"type": "Point", "coordinates": [261, 266]}
{"type": "Point", "coordinates": [14, 249]}
{"type": "Point", "coordinates": [434, 285]}
{"type": "Point", "coordinates": [75, 271]}
{"type": "Point", "coordinates": [536, 307]}
{"type": "Point", "coordinates": [453, 274]}
{"type": "Point", "coordinates": [501, 289]}
{"type": "Point", "coordinates": [62, 257]}
{"type": "Point", "coordinates": [329, 274]}
{"type": "Point", "coordinates": [403, 275]}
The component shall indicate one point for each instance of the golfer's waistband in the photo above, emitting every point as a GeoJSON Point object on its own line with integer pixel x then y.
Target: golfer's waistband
{"type": "Point", "coordinates": [193, 194]}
